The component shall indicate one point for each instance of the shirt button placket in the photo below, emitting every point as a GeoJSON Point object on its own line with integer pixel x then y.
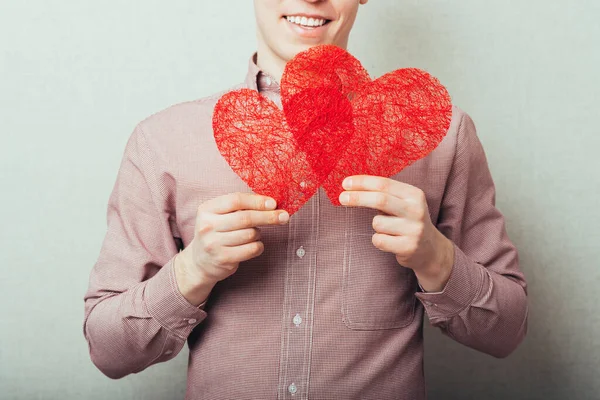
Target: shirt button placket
{"type": "Point", "coordinates": [300, 277]}
{"type": "Point", "coordinates": [297, 320]}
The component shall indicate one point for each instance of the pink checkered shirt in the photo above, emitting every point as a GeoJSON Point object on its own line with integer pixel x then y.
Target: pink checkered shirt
{"type": "Point", "coordinates": [322, 313]}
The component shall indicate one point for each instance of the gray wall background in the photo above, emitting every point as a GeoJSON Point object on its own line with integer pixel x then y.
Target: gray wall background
{"type": "Point", "coordinates": [76, 76]}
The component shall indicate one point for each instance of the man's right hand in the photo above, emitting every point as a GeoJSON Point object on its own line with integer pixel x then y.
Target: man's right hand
{"type": "Point", "coordinates": [226, 233]}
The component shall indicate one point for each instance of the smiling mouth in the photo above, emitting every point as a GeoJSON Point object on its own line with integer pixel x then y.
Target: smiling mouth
{"type": "Point", "coordinates": [307, 22]}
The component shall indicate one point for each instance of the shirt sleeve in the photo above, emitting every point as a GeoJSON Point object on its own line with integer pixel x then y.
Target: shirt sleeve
{"type": "Point", "coordinates": [135, 315]}
{"type": "Point", "coordinates": [484, 303]}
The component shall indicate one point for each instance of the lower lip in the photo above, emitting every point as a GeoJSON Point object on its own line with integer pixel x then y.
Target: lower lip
{"type": "Point", "coordinates": [308, 32]}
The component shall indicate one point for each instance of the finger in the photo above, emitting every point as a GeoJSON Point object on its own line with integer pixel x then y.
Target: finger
{"type": "Point", "coordinates": [239, 201]}
{"type": "Point", "coordinates": [239, 237]}
{"type": "Point", "coordinates": [381, 184]}
{"type": "Point", "coordinates": [244, 252]}
{"type": "Point", "coordinates": [396, 226]}
{"type": "Point", "coordinates": [393, 244]}
{"type": "Point", "coordinates": [377, 200]}
{"type": "Point", "coordinates": [249, 219]}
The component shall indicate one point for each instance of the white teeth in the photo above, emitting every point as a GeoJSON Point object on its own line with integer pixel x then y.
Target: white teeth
{"type": "Point", "coordinates": [307, 22]}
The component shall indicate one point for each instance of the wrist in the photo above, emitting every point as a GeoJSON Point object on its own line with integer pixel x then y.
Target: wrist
{"type": "Point", "coordinates": [435, 276]}
{"type": "Point", "coordinates": [192, 284]}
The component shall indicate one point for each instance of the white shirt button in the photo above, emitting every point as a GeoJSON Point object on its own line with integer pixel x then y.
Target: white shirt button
{"type": "Point", "coordinates": [297, 320]}
{"type": "Point", "coordinates": [192, 321]}
{"type": "Point", "coordinates": [302, 184]}
{"type": "Point", "coordinates": [292, 389]}
{"type": "Point", "coordinates": [268, 80]}
{"type": "Point", "coordinates": [300, 252]}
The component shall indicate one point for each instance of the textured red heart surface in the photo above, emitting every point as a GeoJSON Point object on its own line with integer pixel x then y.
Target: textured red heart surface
{"type": "Point", "coordinates": [255, 139]}
{"type": "Point", "coordinates": [335, 122]}
{"type": "Point", "coordinates": [398, 118]}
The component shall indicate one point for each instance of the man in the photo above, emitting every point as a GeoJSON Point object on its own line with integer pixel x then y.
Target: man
{"type": "Point", "coordinates": [328, 304]}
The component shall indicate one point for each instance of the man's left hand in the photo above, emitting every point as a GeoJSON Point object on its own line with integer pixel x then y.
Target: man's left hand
{"type": "Point", "coordinates": [405, 228]}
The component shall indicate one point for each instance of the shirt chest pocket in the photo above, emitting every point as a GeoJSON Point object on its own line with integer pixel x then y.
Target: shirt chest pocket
{"type": "Point", "coordinates": [377, 292]}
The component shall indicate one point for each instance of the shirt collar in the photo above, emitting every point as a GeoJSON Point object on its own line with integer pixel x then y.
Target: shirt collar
{"type": "Point", "coordinates": [258, 80]}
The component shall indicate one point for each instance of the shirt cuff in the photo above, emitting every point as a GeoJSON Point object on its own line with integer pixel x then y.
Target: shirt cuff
{"type": "Point", "coordinates": [168, 306]}
{"type": "Point", "coordinates": [465, 282]}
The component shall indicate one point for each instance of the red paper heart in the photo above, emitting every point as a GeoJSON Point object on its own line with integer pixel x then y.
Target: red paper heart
{"type": "Point", "coordinates": [324, 65]}
{"type": "Point", "coordinates": [337, 123]}
{"type": "Point", "coordinates": [398, 119]}
{"type": "Point", "coordinates": [255, 139]}
{"type": "Point", "coordinates": [322, 126]}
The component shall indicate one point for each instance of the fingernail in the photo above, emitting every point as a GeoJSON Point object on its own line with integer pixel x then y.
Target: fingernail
{"type": "Point", "coordinates": [284, 217]}
{"type": "Point", "coordinates": [270, 203]}
{"type": "Point", "coordinates": [347, 184]}
{"type": "Point", "coordinates": [344, 198]}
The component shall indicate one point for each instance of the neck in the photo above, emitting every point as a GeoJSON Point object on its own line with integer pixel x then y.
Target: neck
{"type": "Point", "coordinates": [270, 63]}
